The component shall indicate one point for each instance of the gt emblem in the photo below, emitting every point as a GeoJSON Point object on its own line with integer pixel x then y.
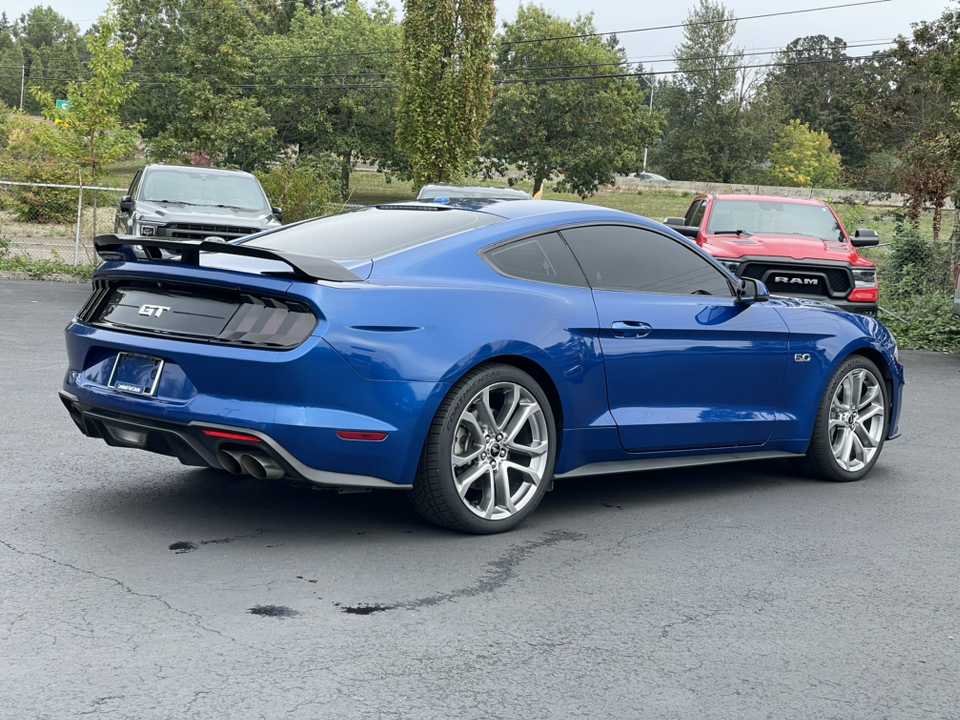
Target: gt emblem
{"type": "Point", "coordinates": [802, 357]}
{"type": "Point", "coordinates": [795, 281]}
{"type": "Point", "coordinates": [152, 310]}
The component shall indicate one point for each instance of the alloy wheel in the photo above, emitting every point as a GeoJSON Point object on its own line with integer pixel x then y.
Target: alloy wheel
{"type": "Point", "coordinates": [857, 419]}
{"type": "Point", "coordinates": [499, 454]}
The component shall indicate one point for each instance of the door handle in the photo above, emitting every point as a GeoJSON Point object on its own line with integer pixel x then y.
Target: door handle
{"type": "Point", "coordinates": [630, 329]}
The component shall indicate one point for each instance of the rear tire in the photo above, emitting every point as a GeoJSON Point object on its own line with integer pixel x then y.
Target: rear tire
{"type": "Point", "coordinates": [852, 423]}
{"type": "Point", "coordinates": [489, 456]}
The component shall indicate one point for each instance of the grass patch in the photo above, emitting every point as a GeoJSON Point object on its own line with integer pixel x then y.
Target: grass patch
{"type": "Point", "coordinates": [55, 268]}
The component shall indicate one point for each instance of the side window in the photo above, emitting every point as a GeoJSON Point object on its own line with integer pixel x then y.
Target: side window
{"type": "Point", "coordinates": [695, 214]}
{"type": "Point", "coordinates": [135, 185]}
{"type": "Point", "coordinates": [632, 259]}
{"type": "Point", "coordinates": [544, 258]}
{"type": "Point", "coordinates": [698, 215]}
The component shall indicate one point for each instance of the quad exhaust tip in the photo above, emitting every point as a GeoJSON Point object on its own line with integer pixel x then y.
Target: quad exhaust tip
{"type": "Point", "coordinates": [259, 465]}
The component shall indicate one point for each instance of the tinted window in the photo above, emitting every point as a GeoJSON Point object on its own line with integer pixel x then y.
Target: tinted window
{"type": "Point", "coordinates": [615, 257]}
{"type": "Point", "coordinates": [544, 258]}
{"type": "Point", "coordinates": [132, 192]}
{"type": "Point", "coordinates": [372, 232]}
{"type": "Point", "coordinates": [695, 214]}
{"type": "Point", "coordinates": [698, 215]}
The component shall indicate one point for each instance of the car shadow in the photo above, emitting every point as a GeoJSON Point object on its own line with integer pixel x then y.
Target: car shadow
{"type": "Point", "coordinates": [211, 506]}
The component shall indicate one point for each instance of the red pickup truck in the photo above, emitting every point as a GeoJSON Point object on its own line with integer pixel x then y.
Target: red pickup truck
{"type": "Point", "coordinates": [797, 248]}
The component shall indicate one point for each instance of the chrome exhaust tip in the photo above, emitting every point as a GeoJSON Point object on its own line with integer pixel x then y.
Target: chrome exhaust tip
{"type": "Point", "coordinates": [230, 460]}
{"type": "Point", "coordinates": [261, 467]}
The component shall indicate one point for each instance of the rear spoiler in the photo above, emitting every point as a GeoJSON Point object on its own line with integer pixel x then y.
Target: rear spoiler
{"type": "Point", "coordinates": [304, 267]}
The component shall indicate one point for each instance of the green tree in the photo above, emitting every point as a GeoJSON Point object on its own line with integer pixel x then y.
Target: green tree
{"type": "Point", "coordinates": [923, 120]}
{"type": "Point", "coordinates": [154, 32]}
{"type": "Point", "coordinates": [803, 158]}
{"type": "Point", "coordinates": [51, 52]}
{"type": "Point", "coordinates": [819, 85]}
{"type": "Point", "coordinates": [563, 106]}
{"type": "Point", "coordinates": [215, 122]}
{"type": "Point", "coordinates": [707, 135]}
{"type": "Point", "coordinates": [332, 81]}
{"type": "Point", "coordinates": [90, 130]}
{"type": "Point", "coordinates": [446, 88]}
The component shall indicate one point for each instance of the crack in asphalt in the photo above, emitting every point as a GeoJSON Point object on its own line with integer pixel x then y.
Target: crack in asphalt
{"type": "Point", "coordinates": [196, 618]}
{"type": "Point", "coordinates": [500, 572]}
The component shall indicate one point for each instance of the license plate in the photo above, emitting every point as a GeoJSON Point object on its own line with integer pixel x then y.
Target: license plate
{"type": "Point", "coordinates": [135, 374]}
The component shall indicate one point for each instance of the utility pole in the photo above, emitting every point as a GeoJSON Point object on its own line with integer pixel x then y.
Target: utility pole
{"type": "Point", "coordinates": [651, 112]}
{"type": "Point", "coordinates": [23, 76]}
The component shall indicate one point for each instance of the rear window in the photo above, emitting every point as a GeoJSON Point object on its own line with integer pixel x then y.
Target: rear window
{"type": "Point", "coordinates": [371, 232]}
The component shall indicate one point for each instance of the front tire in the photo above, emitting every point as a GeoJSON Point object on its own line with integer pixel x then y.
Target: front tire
{"type": "Point", "coordinates": [489, 455]}
{"type": "Point", "coordinates": [851, 425]}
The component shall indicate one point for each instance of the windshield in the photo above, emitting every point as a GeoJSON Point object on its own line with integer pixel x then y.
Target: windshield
{"type": "Point", "coordinates": [197, 187]}
{"type": "Point", "coordinates": [432, 192]}
{"type": "Point", "coordinates": [769, 216]}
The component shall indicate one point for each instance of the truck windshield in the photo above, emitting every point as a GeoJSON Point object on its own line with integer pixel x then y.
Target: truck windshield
{"type": "Point", "coordinates": [772, 217]}
{"type": "Point", "coordinates": [209, 189]}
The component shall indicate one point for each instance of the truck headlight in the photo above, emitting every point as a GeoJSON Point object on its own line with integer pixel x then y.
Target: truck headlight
{"type": "Point", "coordinates": [865, 278]}
{"type": "Point", "coordinates": [731, 265]}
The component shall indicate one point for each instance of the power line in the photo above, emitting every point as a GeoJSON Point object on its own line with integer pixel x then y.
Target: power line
{"type": "Point", "coordinates": [515, 81]}
{"type": "Point", "coordinates": [537, 68]}
{"type": "Point", "coordinates": [611, 32]}
{"type": "Point", "coordinates": [701, 22]}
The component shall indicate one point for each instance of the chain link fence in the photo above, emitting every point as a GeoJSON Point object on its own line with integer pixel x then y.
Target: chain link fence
{"type": "Point", "coordinates": [917, 280]}
{"type": "Point", "coordinates": [47, 222]}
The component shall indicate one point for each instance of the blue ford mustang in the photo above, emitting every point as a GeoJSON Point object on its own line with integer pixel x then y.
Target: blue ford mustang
{"type": "Point", "coordinates": [468, 355]}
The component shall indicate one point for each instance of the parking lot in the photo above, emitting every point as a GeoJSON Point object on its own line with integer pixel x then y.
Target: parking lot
{"type": "Point", "coordinates": [135, 587]}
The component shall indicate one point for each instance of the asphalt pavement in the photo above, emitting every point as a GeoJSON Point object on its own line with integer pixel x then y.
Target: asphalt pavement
{"type": "Point", "coordinates": [134, 587]}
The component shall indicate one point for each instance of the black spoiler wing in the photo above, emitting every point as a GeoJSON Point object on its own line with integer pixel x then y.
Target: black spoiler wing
{"type": "Point", "coordinates": [304, 267]}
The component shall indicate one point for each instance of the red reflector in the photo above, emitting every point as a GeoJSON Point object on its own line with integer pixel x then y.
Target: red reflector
{"type": "Point", "coordinates": [350, 435]}
{"type": "Point", "coordinates": [863, 295]}
{"type": "Point", "coordinates": [231, 436]}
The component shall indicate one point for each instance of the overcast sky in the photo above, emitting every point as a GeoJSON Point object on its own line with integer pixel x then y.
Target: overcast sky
{"type": "Point", "coordinates": [865, 24]}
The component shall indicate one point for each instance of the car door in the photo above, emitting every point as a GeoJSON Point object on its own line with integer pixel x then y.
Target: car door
{"type": "Point", "coordinates": [687, 366]}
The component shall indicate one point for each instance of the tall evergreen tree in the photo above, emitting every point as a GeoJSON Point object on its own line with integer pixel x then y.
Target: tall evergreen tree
{"type": "Point", "coordinates": [707, 136]}
{"type": "Point", "coordinates": [446, 66]}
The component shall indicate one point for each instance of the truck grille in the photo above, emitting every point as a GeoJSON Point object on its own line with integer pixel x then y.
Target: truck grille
{"type": "Point", "coordinates": [800, 279]}
{"type": "Point", "coordinates": [196, 231]}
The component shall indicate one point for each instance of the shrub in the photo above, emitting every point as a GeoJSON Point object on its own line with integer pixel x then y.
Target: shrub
{"type": "Point", "coordinates": [304, 189]}
{"type": "Point", "coordinates": [34, 204]}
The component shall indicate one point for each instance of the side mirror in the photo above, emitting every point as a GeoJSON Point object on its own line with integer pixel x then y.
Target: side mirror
{"type": "Point", "coordinates": [751, 291]}
{"type": "Point", "coordinates": [865, 238]}
{"type": "Point", "coordinates": [126, 204]}
{"type": "Point", "coordinates": [278, 213]}
{"type": "Point", "coordinates": [675, 223]}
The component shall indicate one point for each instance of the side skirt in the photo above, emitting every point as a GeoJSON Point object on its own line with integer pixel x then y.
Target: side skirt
{"type": "Point", "coordinates": [624, 466]}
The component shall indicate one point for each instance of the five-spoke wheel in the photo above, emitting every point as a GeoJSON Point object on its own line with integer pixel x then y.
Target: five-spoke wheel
{"type": "Point", "coordinates": [490, 453]}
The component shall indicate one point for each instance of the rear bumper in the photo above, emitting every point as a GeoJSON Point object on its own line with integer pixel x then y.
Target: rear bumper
{"type": "Point", "coordinates": [192, 446]}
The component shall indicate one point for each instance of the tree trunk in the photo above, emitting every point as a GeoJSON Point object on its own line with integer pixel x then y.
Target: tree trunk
{"type": "Point", "coordinates": [538, 183]}
{"type": "Point", "coordinates": [346, 167]}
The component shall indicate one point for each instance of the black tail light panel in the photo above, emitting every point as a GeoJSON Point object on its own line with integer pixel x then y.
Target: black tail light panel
{"type": "Point", "coordinates": [198, 313]}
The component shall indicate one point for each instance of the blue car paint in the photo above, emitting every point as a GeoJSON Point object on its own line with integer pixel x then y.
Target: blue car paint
{"type": "Point", "coordinates": [386, 351]}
